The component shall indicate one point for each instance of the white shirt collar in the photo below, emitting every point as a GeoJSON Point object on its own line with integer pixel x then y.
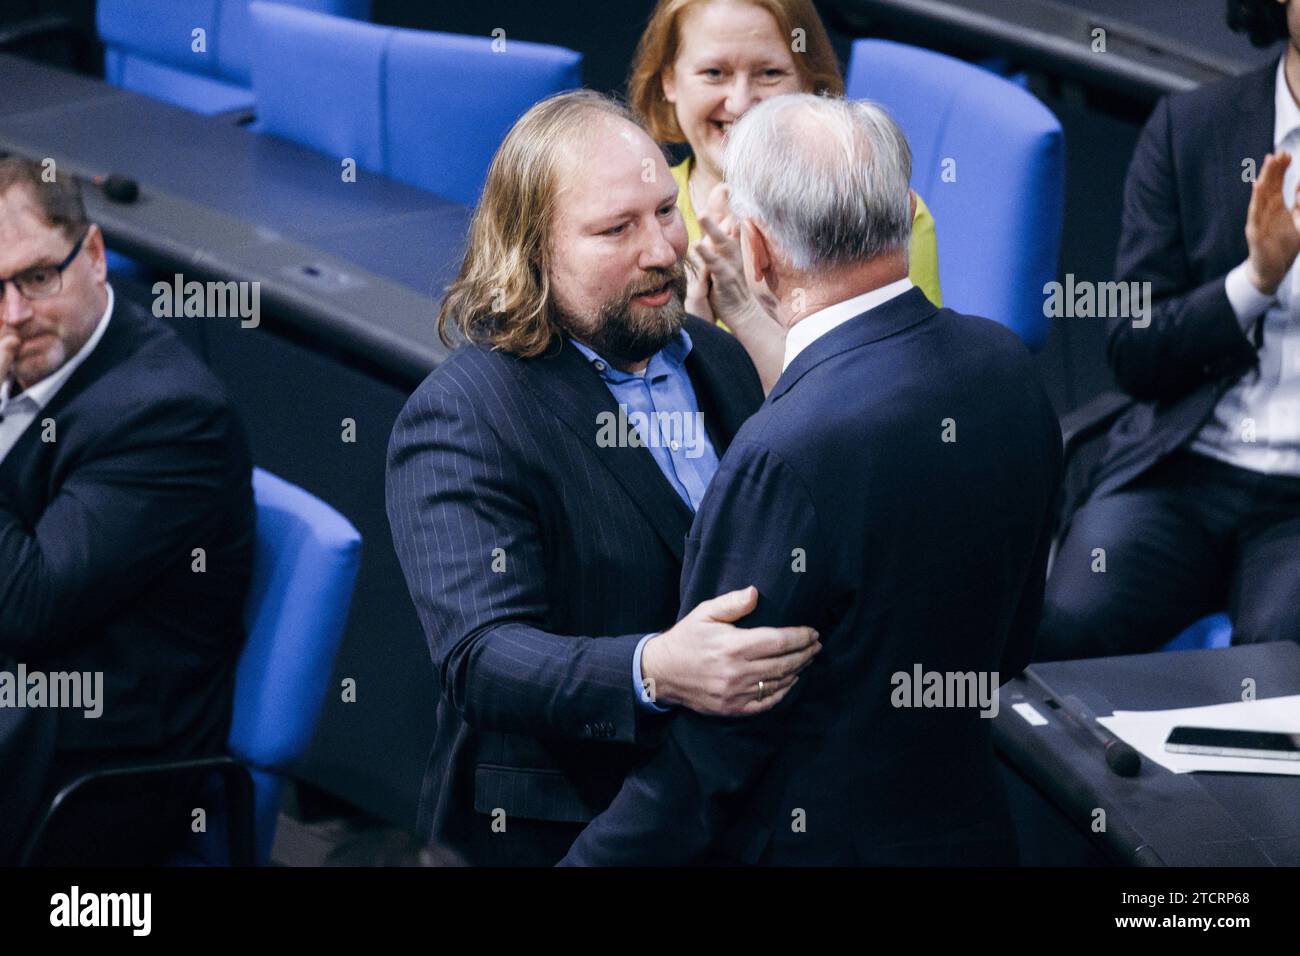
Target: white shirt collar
{"type": "Point", "coordinates": [1286, 113]}
{"type": "Point", "coordinates": [44, 390]}
{"type": "Point", "coordinates": [812, 327]}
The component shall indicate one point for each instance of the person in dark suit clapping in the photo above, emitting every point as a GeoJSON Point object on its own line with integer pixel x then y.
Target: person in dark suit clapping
{"type": "Point", "coordinates": [1195, 505]}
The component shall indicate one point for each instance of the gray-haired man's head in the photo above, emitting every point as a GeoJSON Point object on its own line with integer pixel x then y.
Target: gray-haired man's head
{"type": "Point", "coordinates": [824, 179]}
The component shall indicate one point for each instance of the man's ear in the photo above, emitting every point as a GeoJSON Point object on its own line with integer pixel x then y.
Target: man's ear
{"type": "Point", "coordinates": [757, 253]}
{"type": "Point", "coordinates": [94, 246]}
{"type": "Point", "coordinates": [911, 195]}
{"type": "Point", "coordinates": [668, 83]}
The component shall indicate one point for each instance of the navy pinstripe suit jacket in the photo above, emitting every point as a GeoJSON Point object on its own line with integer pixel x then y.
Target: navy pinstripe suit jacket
{"type": "Point", "coordinates": [537, 560]}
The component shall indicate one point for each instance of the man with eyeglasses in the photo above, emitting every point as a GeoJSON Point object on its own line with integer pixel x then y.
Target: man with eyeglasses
{"type": "Point", "coordinates": [126, 539]}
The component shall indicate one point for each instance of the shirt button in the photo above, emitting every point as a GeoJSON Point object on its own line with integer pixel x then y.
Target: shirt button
{"type": "Point", "coordinates": [600, 366]}
{"type": "Point", "coordinates": [674, 445]}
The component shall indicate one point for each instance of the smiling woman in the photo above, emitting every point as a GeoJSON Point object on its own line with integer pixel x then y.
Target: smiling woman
{"type": "Point", "coordinates": [701, 64]}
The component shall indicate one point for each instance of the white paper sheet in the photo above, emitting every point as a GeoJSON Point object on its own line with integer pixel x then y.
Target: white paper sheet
{"type": "Point", "coordinates": [1146, 731]}
{"type": "Point", "coordinates": [1033, 717]}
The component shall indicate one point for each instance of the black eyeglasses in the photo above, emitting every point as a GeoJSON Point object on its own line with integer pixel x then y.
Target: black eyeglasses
{"type": "Point", "coordinates": [41, 282]}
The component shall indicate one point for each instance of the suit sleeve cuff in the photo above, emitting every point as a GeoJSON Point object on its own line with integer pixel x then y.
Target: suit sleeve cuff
{"type": "Point", "coordinates": [1247, 302]}
{"type": "Point", "coordinates": [644, 695]}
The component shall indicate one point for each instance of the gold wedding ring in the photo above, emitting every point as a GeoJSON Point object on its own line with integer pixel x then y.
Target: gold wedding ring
{"type": "Point", "coordinates": [762, 690]}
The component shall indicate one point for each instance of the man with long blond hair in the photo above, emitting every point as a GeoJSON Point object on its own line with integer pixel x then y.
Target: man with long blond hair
{"type": "Point", "coordinates": [541, 483]}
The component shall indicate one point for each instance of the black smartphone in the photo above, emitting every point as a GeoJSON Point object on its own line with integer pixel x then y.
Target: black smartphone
{"type": "Point", "coordinates": [1234, 743]}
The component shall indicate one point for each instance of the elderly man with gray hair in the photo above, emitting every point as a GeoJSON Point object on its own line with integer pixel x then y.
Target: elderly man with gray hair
{"type": "Point", "coordinates": [895, 492]}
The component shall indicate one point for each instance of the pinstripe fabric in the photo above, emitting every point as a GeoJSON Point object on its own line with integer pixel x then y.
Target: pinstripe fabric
{"type": "Point", "coordinates": [536, 561]}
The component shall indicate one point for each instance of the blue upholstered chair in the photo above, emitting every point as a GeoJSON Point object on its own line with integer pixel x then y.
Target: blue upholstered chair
{"type": "Point", "coordinates": [426, 108]}
{"type": "Point", "coordinates": [304, 570]}
{"type": "Point", "coordinates": [1212, 631]}
{"type": "Point", "coordinates": [303, 575]}
{"type": "Point", "coordinates": [149, 48]}
{"type": "Point", "coordinates": [988, 158]}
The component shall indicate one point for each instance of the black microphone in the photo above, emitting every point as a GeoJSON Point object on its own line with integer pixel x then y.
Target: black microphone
{"type": "Point", "coordinates": [119, 188]}
{"type": "Point", "coordinates": [1122, 759]}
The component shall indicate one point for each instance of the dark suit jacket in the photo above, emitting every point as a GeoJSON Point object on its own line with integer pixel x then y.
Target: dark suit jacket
{"type": "Point", "coordinates": [842, 502]}
{"type": "Point", "coordinates": [1184, 227]}
{"type": "Point", "coordinates": [537, 560]}
{"type": "Point", "coordinates": [97, 530]}
{"type": "Point", "coordinates": [27, 745]}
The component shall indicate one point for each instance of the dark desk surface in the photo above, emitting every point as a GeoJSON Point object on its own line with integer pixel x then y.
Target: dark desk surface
{"type": "Point", "coordinates": [1153, 46]}
{"type": "Point", "coordinates": [27, 91]}
{"type": "Point", "coordinates": [1197, 24]}
{"type": "Point", "coordinates": [359, 265]}
{"type": "Point", "coordinates": [1159, 817]}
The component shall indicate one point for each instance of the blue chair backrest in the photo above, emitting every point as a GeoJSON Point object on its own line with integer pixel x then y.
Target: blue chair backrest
{"type": "Point", "coordinates": [988, 158]}
{"type": "Point", "coordinates": [427, 108]}
{"type": "Point", "coordinates": [150, 48]}
{"type": "Point", "coordinates": [303, 574]}
{"type": "Point", "coordinates": [1209, 632]}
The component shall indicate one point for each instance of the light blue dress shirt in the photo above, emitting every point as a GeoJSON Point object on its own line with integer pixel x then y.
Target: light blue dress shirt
{"type": "Point", "coordinates": [660, 406]}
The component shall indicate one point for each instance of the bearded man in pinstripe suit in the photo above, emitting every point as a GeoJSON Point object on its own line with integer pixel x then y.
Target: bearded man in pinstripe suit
{"type": "Point", "coordinates": [541, 483]}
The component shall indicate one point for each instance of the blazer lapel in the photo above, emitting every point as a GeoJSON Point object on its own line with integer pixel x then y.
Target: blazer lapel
{"type": "Point", "coordinates": [1251, 138]}
{"type": "Point", "coordinates": [720, 403]}
{"type": "Point", "coordinates": [572, 390]}
{"type": "Point", "coordinates": [17, 483]}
